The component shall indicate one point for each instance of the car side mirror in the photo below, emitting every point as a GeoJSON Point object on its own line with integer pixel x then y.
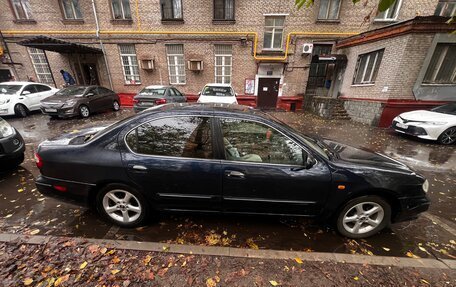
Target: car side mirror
{"type": "Point", "coordinates": [308, 161]}
{"type": "Point", "coordinates": [90, 94]}
{"type": "Point", "coordinates": [199, 94]}
{"type": "Point", "coordinates": [24, 93]}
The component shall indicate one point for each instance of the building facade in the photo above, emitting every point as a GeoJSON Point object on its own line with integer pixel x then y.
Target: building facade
{"type": "Point", "coordinates": [267, 49]}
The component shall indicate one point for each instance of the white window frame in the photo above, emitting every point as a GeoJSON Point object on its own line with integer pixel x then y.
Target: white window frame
{"type": "Point", "coordinates": [385, 13]}
{"type": "Point", "coordinates": [441, 59]}
{"type": "Point", "coordinates": [173, 68]}
{"type": "Point", "coordinates": [123, 10]}
{"type": "Point", "coordinates": [222, 66]}
{"type": "Point", "coordinates": [274, 29]}
{"type": "Point", "coordinates": [445, 5]}
{"type": "Point", "coordinates": [25, 8]}
{"type": "Point", "coordinates": [41, 66]}
{"type": "Point", "coordinates": [329, 9]}
{"type": "Point", "coordinates": [358, 69]}
{"type": "Point", "coordinates": [132, 58]}
{"type": "Point", "coordinates": [75, 16]}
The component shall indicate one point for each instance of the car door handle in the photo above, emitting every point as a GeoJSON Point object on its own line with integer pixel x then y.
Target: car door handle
{"type": "Point", "coordinates": [234, 173]}
{"type": "Point", "coordinates": [139, 167]}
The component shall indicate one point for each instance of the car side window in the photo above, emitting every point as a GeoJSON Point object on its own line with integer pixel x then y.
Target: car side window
{"type": "Point", "coordinates": [42, 88]}
{"type": "Point", "coordinates": [92, 90]}
{"type": "Point", "coordinates": [255, 142]}
{"type": "Point", "coordinates": [104, 91]}
{"type": "Point", "coordinates": [29, 88]}
{"type": "Point", "coordinates": [187, 136]}
{"type": "Point", "coordinates": [171, 93]}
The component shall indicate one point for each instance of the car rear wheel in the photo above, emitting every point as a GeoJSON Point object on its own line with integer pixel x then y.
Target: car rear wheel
{"type": "Point", "coordinates": [363, 217]}
{"type": "Point", "coordinates": [20, 110]}
{"type": "Point", "coordinates": [122, 205]}
{"type": "Point", "coordinates": [448, 136]}
{"type": "Point", "coordinates": [84, 111]}
{"type": "Point", "coordinates": [115, 106]}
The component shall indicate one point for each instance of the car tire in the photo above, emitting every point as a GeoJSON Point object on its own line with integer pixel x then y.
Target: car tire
{"type": "Point", "coordinates": [448, 136]}
{"type": "Point", "coordinates": [115, 106]}
{"type": "Point", "coordinates": [84, 111]}
{"type": "Point", "coordinates": [122, 205]}
{"type": "Point", "coordinates": [20, 110]}
{"type": "Point", "coordinates": [363, 217]}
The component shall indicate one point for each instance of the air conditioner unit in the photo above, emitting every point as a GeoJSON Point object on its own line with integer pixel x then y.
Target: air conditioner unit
{"type": "Point", "coordinates": [307, 48]}
{"type": "Point", "coordinates": [147, 64]}
{"type": "Point", "coordinates": [195, 65]}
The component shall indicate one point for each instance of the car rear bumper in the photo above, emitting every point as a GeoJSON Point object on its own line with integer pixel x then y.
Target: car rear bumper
{"type": "Point", "coordinates": [75, 192]}
{"type": "Point", "coordinates": [411, 207]}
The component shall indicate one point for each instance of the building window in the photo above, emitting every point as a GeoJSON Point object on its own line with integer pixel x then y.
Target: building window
{"type": "Point", "coordinates": [22, 9]}
{"type": "Point", "coordinates": [367, 67]}
{"type": "Point", "coordinates": [171, 9]}
{"type": "Point", "coordinates": [223, 9]}
{"type": "Point", "coordinates": [41, 66]}
{"type": "Point", "coordinates": [273, 32]}
{"type": "Point", "coordinates": [223, 63]}
{"type": "Point", "coordinates": [329, 10]}
{"type": "Point", "coordinates": [391, 13]}
{"type": "Point", "coordinates": [121, 9]}
{"type": "Point", "coordinates": [446, 8]}
{"type": "Point", "coordinates": [176, 64]}
{"type": "Point", "coordinates": [129, 64]}
{"type": "Point", "coordinates": [442, 68]}
{"type": "Point", "coordinates": [71, 9]}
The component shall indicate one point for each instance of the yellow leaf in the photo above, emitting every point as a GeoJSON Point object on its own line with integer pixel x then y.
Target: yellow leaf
{"type": "Point", "coordinates": [422, 249]}
{"type": "Point", "coordinates": [103, 250]}
{"type": "Point", "coordinates": [35, 231]}
{"type": "Point", "coordinates": [274, 283]}
{"type": "Point", "coordinates": [386, 249]}
{"type": "Point", "coordinates": [110, 252]}
{"type": "Point", "coordinates": [426, 282]}
{"type": "Point", "coordinates": [27, 281]}
{"type": "Point", "coordinates": [299, 260]}
{"type": "Point", "coordinates": [251, 244]}
{"type": "Point", "coordinates": [20, 190]}
{"type": "Point", "coordinates": [83, 265]}
{"type": "Point", "coordinates": [411, 255]}
{"type": "Point", "coordinates": [217, 279]}
{"type": "Point", "coordinates": [147, 259]}
{"type": "Point", "coordinates": [165, 248]}
{"type": "Point", "coordinates": [115, 271]}
{"type": "Point", "coordinates": [115, 260]}
{"type": "Point", "coordinates": [210, 282]}
{"type": "Point", "coordinates": [61, 280]}
{"type": "Point", "coordinates": [356, 278]}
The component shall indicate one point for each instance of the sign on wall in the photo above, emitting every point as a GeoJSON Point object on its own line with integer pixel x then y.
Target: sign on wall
{"type": "Point", "coordinates": [249, 86]}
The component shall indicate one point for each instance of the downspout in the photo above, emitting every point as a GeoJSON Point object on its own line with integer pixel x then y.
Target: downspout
{"type": "Point", "coordinates": [101, 45]}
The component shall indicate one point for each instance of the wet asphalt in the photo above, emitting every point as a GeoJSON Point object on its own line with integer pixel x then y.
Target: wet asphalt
{"type": "Point", "coordinates": [24, 210]}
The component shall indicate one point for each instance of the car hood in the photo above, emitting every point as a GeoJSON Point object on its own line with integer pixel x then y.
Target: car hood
{"type": "Point", "coordinates": [75, 137]}
{"type": "Point", "coordinates": [217, 99]}
{"type": "Point", "coordinates": [425, 116]}
{"type": "Point", "coordinates": [60, 99]}
{"type": "Point", "coordinates": [363, 157]}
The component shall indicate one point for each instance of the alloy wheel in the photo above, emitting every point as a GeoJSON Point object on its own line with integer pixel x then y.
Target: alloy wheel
{"type": "Point", "coordinates": [84, 111]}
{"type": "Point", "coordinates": [363, 217]}
{"type": "Point", "coordinates": [21, 110]}
{"type": "Point", "coordinates": [116, 106]}
{"type": "Point", "coordinates": [122, 206]}
{"type": "Point", "coordinates": [448, 136]}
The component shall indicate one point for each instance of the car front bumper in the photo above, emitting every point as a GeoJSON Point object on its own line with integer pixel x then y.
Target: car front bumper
{"type": "Point", "coordinates": [429, 132]}
{"type": "Point", "coordinates": [75, 192]}
{"type": "Point", "coordinates": [411, 207]}
{"type": "Point", "coordinates": [11, 148]}
{"type": "Point", "coordinates": [60, 112]}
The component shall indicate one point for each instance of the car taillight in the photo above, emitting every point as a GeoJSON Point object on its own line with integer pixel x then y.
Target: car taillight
{"type": "Point", "coordinates": [160, 101]}
{"type": "Point", "coordinates": [60, 188]}
{"type": "Point", "coordinates": [135, 101]}
{"type": "Point", "coordinates": [38, 160]}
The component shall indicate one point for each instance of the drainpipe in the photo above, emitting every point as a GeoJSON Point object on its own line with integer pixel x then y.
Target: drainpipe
{"type": "Point", "coordinates": [101, 44]}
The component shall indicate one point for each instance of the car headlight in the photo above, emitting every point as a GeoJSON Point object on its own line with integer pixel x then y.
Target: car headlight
{"type": "Point", "coordinates": [4, 101]}
{"type": "Point", "coordinates": [5, 129]}
{"type": "Point", "coordinates": [69, 103]}
{"type": "Point", "coordinates": [426, 186]}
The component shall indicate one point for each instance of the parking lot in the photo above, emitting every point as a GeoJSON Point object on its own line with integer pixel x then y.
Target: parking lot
{"type": "Point", "coordinates": [24, 210]}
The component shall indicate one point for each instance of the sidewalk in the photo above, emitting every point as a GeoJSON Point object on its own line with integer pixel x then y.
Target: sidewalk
{"type": "Point", "coordinates": [59, 261]}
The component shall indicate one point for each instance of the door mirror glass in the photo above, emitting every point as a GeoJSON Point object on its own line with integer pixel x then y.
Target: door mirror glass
{"type": "Point", "coordinates": [308, 161]}
{"type": "Point", "coordinates": [90, 94]}
{"type": "Point", "coordinates": [24, 93]}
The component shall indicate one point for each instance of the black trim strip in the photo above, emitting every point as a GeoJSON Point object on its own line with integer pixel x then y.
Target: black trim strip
{"type": "Point", "coordinates": [180, 195]}
{"type": "Point", "coordinates": [269, 200]}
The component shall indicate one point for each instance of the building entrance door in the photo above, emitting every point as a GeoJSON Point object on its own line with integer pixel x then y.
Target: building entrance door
{"type": "Point", "coordinates": [268, 91]}
{"type": "Point", "coordinates": [5, 75]}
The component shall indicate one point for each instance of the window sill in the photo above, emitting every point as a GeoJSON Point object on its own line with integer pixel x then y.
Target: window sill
{"type": "Point", "coordinates": [172, 21]}
{"type": "Point", "coordinates": [223, 22]}
{"type": "Point", "coordinates": [24, 21]}
{"type": "Point", "coordinates": [122, 21]}
{"type": "Point", "coordinates": [137, 84]}
{"type": "Point", "coordinates": [437, 85]}
{"type": "Point", "coordinates": [178, 84]}
{"type": "Point", "coordinates": [328, 21]}
{"type": "Point", "coordinates": [362, 85]}
{"type": "Point", "coordinates": [381, 21]}
{"type": "Point", "coordinates": [73, 21]}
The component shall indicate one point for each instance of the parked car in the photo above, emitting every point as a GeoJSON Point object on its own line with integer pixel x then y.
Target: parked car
{"type": "Point", "coordinates": [156, 95]}
{"type": "Point", "coordinates": [217, 93]}
{"type": "Point", "coordinates": [226, 159]}
{"type": "Point", "coordinates": [437, 124]}
{"type": "Point", "coordinates": [12, 146]}
{"type": "Point", "coordinates": [80, 100]}
{"type": "Point", "coordinates": [19, 98]}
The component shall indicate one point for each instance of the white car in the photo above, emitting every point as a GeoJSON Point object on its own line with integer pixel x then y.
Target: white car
{"type": "Point", "coordinates": [19, 98]}
{"type": "Point", "coordinates": [437, 124]}
{"type": "Point", "coordinates": [217, 93]}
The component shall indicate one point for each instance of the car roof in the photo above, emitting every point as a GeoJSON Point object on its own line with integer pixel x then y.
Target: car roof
{"type": "Point", "coordinates": [21, 83]}
{"type": "Point", "coordinates": [207, 107]}
{"type": "Point", "coordinates": [217, 85]}
{"type": "Point", "coordinates": [157, 87]}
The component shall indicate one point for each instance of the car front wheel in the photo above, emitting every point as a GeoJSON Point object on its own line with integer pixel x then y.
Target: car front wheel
{"type": "Point", "coordinates": [363, 217]}
{"type": "Point", "coordinates": [122, 205]}
{"type": "Point", "coordinates": [84, 111]}
{"type": "Point", "coordinates": [20, 110]}
{"type": "Point", "coordinates": [448, 136]}
{"type": "Point", "coordinates": [115, 106]}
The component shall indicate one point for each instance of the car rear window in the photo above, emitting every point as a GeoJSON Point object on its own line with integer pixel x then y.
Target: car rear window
{"type": "Point", "coordinates": [217, 91]}
{"type": "Point", "coordinates": [152, 92]}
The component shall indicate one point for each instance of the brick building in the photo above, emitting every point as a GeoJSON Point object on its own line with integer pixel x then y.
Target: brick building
{"type": "Point", "coordinates": [267, 49]}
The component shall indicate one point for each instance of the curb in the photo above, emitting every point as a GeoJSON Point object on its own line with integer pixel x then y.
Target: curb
{"type": "Point", "coordinates": [243, 253]}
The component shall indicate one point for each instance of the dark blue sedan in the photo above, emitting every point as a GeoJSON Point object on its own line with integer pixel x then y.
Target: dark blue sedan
{"type": "Point", "coordinates": [226, 159]}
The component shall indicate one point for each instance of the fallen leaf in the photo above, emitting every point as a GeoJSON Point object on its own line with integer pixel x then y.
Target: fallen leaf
{"type": "Point", "coordinates": [103, 250]}
{"type": "Point", "coordinates": [411, 255]}
{"type": "Point", "coordinates": [20, 190]}
{"type": "Point", "coordinates": [356, 278]}
{"type": "Point", "coordinates": [8, 216]}
{"type": "Point", "coordinates": [273, 283]}
{"type": "Point", "coordinates": [27, 281]}
{"type": "Point", "coordinates": [251, 244]}
{"type": "Point", "coordinates": [61, 280]}
{"type": "Point", "coordinates": [35, 231]}
{"type": "Point", "coordinates": [115, 260]}
{"type": "Point", "coordinates": [299, 260]}
{"type": "Point", "coordinates": [426, 282]}
{"type": "Point", "coordinates": [110, 252]}
{"type": "Point", "coordinates": [147, 259]}
{"type": "Point", "coordinates": [162, 272]}
{"type": "Point", "coordinates": [386, 249]}
{"type": "Point", "coordinates": [83, 265]}
{"type": "Point", "coordinates": [115, 271]}
{"type": "Point", "coordinates": [210, 282]}
{"type": "Point", "coordinates": [165, 248]}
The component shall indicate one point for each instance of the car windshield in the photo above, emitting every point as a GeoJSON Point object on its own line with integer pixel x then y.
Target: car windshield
{"type": "Point", "coordinates": [152, 92]}
{"type": "Point", "coordinates": [71, 91]}
{"type": "Point", "coordinates": [217, 91]}
{"type": "Point", "coordinates": [9, 89]}
{"type": "Point", "coordinates": [449, 109]}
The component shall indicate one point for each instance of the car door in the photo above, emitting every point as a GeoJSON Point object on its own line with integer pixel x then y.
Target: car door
{"type": "Point", "coordinates": [29, 97]}
{"type": "Point", "coordinates": [107, 97]}
{"type": "Point", "coordinates": [44, 91]}
{"type": "Point", "coordinates": [179, 97]}
{"type": "Point", "coordinates": [264, 171]}
{"type": "Point", "coordinates": [94, 99]}
{"type": "Point", "coordinates": [171, 159]}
